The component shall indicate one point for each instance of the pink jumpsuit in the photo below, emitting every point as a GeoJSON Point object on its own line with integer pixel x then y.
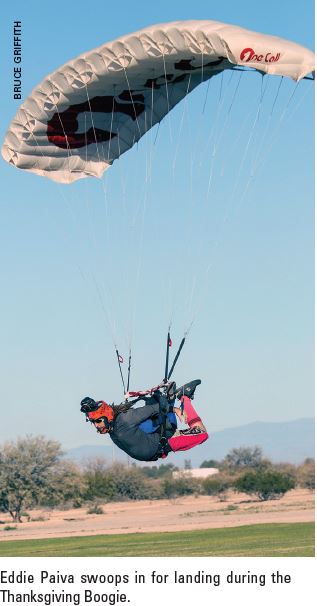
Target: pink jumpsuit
{"type": "Point", "coordinates": [185, 442]}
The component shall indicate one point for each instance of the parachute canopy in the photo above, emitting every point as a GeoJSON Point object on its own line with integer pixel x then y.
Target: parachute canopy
{"type": "Point", "coordinates": [90, 111]}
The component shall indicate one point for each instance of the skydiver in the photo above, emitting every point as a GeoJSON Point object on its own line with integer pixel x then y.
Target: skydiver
{"type": "Point", "coordinates": [150, 432]}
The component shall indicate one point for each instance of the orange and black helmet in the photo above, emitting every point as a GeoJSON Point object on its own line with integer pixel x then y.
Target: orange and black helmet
{"type": "Point", "coordinates": [96, 411]}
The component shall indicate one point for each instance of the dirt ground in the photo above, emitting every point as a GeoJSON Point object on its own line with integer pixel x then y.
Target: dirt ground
{"type": "Point", "coordinates": [183, 513]}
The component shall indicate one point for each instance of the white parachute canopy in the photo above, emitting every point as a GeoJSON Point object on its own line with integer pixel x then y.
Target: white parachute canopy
{"type": "Point", "coordinates": [90, 111]}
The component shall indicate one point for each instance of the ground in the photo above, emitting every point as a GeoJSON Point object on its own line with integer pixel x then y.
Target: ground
{"type": "Point", "coordinates": [182, 513]}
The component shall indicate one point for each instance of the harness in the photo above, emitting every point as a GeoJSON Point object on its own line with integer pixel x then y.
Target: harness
{"type": "Point", "coordinates": [164, 447]}
{"type": "Point", "coordinates": [165, 415]}
{"type": "Point", "coordinates": [164, 406]}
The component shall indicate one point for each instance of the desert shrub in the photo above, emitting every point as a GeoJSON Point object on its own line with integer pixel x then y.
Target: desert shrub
{"type": "Point", "coordinates": [184, 484]}
{"type": "Point", "coordinates": [305, 475]}
{"type": "Point", "coordinates": [38, 519]}
{"type": "Point", "coordinates": [287, 469]}
{"type": "Point", "coordinates": [119, 482]}
{"type": "Point", "coordinates": [266, 485]}
{"type": "Point", "coordinates": [67, 485]}
{"type": "Point", "coordinates": [216, 486]}
{"type": "Point", "coordinates": [96, 509]}
{"type": "Point", "coordinates": [99, 480]}
{"type": "Point", "coordinates": [77, 503]}
{"type": "Point", "coordinates": [130, 483]}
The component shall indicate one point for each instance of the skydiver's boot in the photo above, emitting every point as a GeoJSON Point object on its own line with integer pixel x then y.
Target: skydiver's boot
{"type": "Point", "coordinates": [188, 389]}
{"type": "Point", "coordinates": [192, 431]}
{"type": "Point", "coordinates": [184, 440]}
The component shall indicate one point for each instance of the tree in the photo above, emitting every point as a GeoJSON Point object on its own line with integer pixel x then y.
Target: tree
{"type": "Point", "coordinates": [238, 458]}
{"type": "Point", "coordinates": [210, 463]}
{"type": "Point", "coordinates": [25, 473]}
{"type": "Point", "coordinates": [267, 484]}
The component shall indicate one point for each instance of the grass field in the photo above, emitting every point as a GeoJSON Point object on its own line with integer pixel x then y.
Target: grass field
{"type": "Point", "coordinates": [288, 540]}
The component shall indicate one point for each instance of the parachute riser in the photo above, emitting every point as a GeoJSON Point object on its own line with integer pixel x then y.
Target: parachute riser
{"type": "Point", "coordinates": [168, 373]}
{"type": "Point", "coordinates": [168, 345]}
{"type": "Point", "coordinates": [176, 358]}
{"type": "Point", "coordinates": [119, 359]}
{"type": "Point", "coordinates": [129, 371]}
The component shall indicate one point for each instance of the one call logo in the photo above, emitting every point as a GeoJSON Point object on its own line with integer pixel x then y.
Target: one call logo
{"type": "Point", "coordinates": [248, 54]}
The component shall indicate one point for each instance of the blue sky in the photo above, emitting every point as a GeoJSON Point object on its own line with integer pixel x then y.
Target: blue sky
{"type": "Point", "coordinates": [239, 258]}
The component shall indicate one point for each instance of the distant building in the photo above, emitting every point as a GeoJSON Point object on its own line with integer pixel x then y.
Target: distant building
{"type": "Point", "coordinates": [200, 472]}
